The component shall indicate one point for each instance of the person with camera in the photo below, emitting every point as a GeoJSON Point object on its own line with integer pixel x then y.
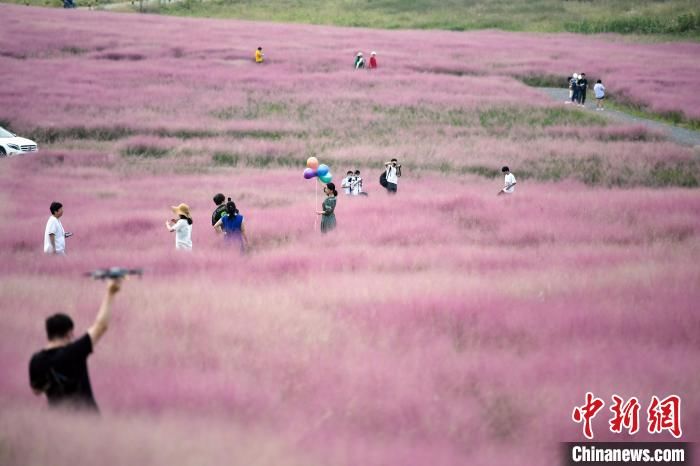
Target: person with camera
{"type": "Point", "coordinates": [60, 370]}
{"type": "Point", "coordinates": [393, 173]}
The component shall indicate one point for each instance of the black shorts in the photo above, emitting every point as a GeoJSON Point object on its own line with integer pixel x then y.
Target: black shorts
{"type": "Point", "coordinates": [392, 187]}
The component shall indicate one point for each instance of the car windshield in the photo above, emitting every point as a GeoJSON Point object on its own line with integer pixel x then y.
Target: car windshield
{"type": "Point", "coordinates": [5, 133]}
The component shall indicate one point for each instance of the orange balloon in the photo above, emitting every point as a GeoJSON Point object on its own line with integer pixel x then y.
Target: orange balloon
{"type": "Point", "coordinates": [312, 163]}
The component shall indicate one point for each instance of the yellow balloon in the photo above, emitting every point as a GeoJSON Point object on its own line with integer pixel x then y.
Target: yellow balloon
{"type": "Point", "coordinates": [312, 163]}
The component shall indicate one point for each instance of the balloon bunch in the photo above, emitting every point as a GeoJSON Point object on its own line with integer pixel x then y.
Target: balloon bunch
{"type": "Point", "coordinates": [313, 168]}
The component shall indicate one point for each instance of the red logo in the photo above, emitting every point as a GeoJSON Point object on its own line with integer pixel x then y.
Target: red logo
{"type": "Point", "coordinates": [626, 415]}
{"type": "Point", "coordinates": [587, 412]}
{"type": "Point", "coordinates": [662, 415]}
{"type": "Point", "coordinates": [665, 415]}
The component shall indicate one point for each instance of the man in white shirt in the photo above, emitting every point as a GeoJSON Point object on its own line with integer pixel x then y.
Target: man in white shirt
{"type": "Point", "coordinates": [393, 172]}
{"type": "Point", "coordinates": [347, 183]}
{"type": "Point", "coordinates": [54, 234]}
{"type": "Point", "coordinates": [599, 90]}
{"type": "Point", "coordinates": [356, 185]}
{"type": "Point", "coordinates": [508, 183]}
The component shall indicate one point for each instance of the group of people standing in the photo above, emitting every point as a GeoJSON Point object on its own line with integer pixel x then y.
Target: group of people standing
{"type": "Point", "coordinates": [578, 86]}
{"type": "Point", "coordinates": [352, 184]}
{"type": "Point", "coordinates": [360, 61]}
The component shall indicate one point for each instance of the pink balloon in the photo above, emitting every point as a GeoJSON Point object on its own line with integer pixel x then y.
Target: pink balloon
{"type": "Point", "coordinates": [312, 163]}
{"type": "Point", "coordinates": [309, 173]}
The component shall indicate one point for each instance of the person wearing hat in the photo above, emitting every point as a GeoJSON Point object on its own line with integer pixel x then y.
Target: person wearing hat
{"type": "Point", "coordinates": [372, 60]}
{"type": "Point", "coordinates": [359, 61]}
{"type": "Point", "coordinates": [182, 226]}
{"type": "Point", "coordinates": [328, 206]}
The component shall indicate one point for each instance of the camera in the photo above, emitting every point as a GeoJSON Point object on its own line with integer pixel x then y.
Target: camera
{"type": "Point", "coordinates": [113, 273]}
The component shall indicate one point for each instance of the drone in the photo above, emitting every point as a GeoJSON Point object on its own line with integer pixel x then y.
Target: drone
{"type": "Point", "coordinates": [113, 273]}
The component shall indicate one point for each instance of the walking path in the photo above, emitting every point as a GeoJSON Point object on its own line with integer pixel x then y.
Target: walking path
{"type": "Point", "coordinates": [680, 135]}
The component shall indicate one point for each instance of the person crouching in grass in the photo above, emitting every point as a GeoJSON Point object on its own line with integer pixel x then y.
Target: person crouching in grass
{"type": "Point", "coordinates": [182, 227]}
{"type": "Point", "coordinates": [508, 182]}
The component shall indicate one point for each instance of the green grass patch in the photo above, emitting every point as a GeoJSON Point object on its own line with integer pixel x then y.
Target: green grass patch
{"type": "Point", "coordinates": [672, 118]}
{"type": "Point", "coordinates": [51, 134]}
{"type": "Point", "coordinates": [504, 118]}
{"type": "Point", "coordinates": [671, 18]}
{"type": "Point", "coordinates": [253, 109]}
{"type": "Point", "coordinates": [145, 151]}
{"type": "Point", "coordinates": [225, 158]}
{"type": "Point", "coordinates": [666, 174]}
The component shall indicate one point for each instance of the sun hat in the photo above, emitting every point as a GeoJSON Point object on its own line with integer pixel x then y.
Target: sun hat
{"type": "Point", "coordinates": [182, 209]}
{"type": "Point", "coordinates": [359, 54]}
{"type": "Point", "coordinates": [373, 53]}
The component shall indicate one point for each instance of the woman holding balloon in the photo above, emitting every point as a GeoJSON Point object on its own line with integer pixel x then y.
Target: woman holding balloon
{"type": "Point", "coordinates": [323, 172]}
{"type": "Point", "coordinates": [328, 206]}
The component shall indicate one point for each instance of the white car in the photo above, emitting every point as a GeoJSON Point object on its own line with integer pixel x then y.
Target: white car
{"type": "Point", "coordinates": [11, 144]}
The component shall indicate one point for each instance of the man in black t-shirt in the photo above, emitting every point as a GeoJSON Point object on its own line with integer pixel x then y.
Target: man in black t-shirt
{"type": "Point", "coordinates": [583, 87]}
{"type": "Point", "coordinates": [60, 369]}
{"type": "Point", "coordinates": [220, 208]}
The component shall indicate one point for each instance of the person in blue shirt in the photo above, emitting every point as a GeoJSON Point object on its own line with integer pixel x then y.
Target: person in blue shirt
{"type": "Point", "coordinates": [232, 226]}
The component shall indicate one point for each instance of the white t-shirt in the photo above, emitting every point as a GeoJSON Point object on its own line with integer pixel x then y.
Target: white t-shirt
{"type": "Point", "coordinates": [347, 184]}
{"type": "Point", "coordinates": [356, 186]}
{"type": "Point", "coordinates": [509, 180]}
{"type": "Point", "coordinates": [391, 176]}
{"type": "Point", "coordinates": [599, 90]}
{"type": "Point", "coordinates": [183, 234]}
{"type": "Point", "coordinates": [54, 227]}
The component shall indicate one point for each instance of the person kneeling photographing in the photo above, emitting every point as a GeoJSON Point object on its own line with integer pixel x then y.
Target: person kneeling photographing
{"type": "Point", "coordinates": [60, 369]}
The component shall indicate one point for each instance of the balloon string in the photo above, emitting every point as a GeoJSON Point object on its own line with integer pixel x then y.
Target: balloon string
{"type": "Point", "coordinates": [315, 204]}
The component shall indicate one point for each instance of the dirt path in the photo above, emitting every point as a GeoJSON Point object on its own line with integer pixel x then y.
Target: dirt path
{"type": "Point", "coordinates": [680, 135]}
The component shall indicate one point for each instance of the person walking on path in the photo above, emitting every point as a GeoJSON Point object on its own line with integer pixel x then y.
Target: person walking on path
{"type": "Point", "coordinates": [599, 91]}
{"type": "Point", "coordinates": [259, 55]}
{"type": "Point", "coordinates": [60, 370]}
{"type": "Point", "coordinates": [54, 234]}
{"type": "Point", "coordinates": [582, 89]}
{"type": "Point", "coordinates": [359, 61]}
{"type": "Point", "coordinates": [373, 60]}
{"type": "Point", "coordinates": [219, 200]}
{"type": "Point", "coordinates": [231, 224]}
{"type": "Point", "coordinates": [508, 182]}
{"type": "Point", "coordinates": [393, 172]}
{"type": "Point", "coordinates": [327, 211]}
{"type": "Point", "coordinates": [182, 227]}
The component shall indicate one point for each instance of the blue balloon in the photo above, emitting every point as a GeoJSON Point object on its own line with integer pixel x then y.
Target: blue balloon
{"type": "Point", "coordinates": [322, 170]}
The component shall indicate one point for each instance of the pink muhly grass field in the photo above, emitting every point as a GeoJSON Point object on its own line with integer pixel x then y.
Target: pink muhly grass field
{"type": "Point", "coordinates": [444, 325]}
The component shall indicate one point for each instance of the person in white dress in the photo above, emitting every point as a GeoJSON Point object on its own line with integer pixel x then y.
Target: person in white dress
{"type": "Point", "coordinates": [182, 227]}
